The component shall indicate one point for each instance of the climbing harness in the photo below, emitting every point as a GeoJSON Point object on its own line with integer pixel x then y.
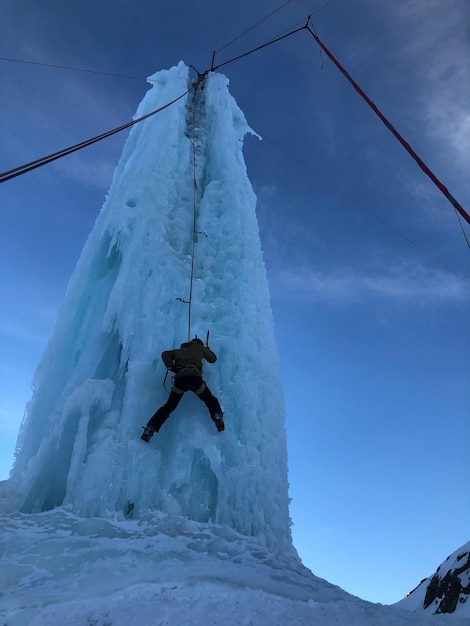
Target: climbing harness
{"type": "Point", "coordinates": [173, 377]}
{"type": "Point", "coordinates": [164, 381]}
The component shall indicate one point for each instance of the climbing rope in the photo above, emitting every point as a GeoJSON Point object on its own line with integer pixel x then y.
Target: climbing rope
{"type": "Point", "coordinates": [28, 167]}
{"type": "Point", "coordinates": [307, 26]}
{"type": "Point", "coordinates": [32, 165]}
{"type": "Point", "coordinates": [261, 21]}
{"type": "Point", "coordinates": [396, 134]}
{"type": "Point", "coordinates": [194, 237]}
{"type": "Point", "coordinates": [73, 69]}
{"type": "Point", "coordinates": [364, 208]}
{"type": "Point", "coordinates": [461, 227]}
{"type": "Point", "coordinates": [264, 45]}
{"type": "Point", "coordinates": [248, 30]}
{"type": "Point", "coordinates": [195, 232]}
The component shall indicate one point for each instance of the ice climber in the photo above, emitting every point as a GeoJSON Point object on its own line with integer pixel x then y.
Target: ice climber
{"type": "Point", "coordinates": [186, 363]}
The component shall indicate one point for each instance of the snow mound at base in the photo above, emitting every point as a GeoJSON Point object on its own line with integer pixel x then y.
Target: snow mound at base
{"type": "Point", "coordinates": [58, 568]}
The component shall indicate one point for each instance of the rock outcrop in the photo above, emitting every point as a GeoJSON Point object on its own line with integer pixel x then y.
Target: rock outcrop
{"type": "Point", "coordinates": [446, 591]}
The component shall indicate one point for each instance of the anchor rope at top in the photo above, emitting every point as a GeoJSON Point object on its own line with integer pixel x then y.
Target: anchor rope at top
{"type": "Point", "coordinates": [195, 232]}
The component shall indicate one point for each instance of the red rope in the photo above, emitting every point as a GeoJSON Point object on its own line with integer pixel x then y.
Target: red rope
{"type": "Point", "coordinates": [458, 207]}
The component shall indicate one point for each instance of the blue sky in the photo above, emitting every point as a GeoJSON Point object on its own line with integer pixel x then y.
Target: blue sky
{"type": "Point", "coordinates": [372, 333]}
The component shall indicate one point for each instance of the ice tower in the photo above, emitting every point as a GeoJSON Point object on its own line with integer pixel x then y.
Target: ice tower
{"type": "Point", "coordinates": [180, 205]}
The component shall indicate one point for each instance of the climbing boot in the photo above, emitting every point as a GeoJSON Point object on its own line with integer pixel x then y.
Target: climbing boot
{"type": "Point", "coordinates": [219, 422]}
{"type": "Point", "coordinates": [147, 434]}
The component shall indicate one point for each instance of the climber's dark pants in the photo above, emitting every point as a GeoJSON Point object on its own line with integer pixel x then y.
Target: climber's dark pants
{"type": "Point", "coordinates": [180, 386]}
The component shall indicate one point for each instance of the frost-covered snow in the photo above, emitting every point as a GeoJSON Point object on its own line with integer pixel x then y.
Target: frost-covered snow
{"type": "Point", "coordinates": [58, 568]}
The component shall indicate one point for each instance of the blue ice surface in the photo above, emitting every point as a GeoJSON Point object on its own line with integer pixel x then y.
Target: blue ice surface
{"type": "Point", "coordinates": [180, 205]}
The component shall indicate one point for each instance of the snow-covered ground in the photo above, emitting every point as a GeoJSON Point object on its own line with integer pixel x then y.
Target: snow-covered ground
{"type": "Point", "coordinates": [57, 568]}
